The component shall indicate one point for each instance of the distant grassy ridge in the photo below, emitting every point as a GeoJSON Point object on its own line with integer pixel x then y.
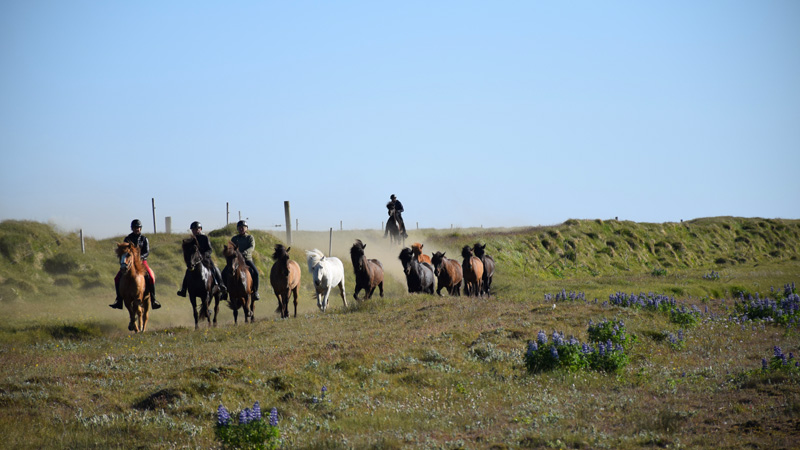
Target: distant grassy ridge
{"type": "Point", "coordinates": [597, 247]}
{"type": "Point", "coordinates": [35, 259]}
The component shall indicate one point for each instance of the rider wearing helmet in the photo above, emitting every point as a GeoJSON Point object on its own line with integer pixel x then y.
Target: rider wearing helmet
{"type": "Point", "coordinates": [245, 243]}
{"type": "Point", "coordinates": [394, 204]}
{"type": "Point", "coordinates": [138, 239]}
{"type": "Point", "coordinates": [204, 245]}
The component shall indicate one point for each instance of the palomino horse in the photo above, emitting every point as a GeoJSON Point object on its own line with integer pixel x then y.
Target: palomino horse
{"type": "Point", "coordinates": [369, 272]}
{"type": "Point", "coordinates": [200, 283]}
{"type": "Point", "coordinates": [419, 276]}
{"type": "Point", "coordinates": [327, 272]}
{"type": "Point", "coordinates": [448, 273]}
{"type": "Point", "coordinates": [240, 283]}
{"type": "Point", "coordinates": [421, 257]}
{"type": "Point", "coordinates": [473, 272]}
{"type": "Point", "coordinates": [394, 229]}
{"type": "Point", "coordinates": [285, 279]}
{"type": "Point", "coordinates": [131, 286]}
{"type": "Point", "coordinates": [488, 266]}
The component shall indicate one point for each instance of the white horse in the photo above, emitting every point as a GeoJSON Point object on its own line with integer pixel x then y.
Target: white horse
{"type": "Point", "coordinates": [327, 272]}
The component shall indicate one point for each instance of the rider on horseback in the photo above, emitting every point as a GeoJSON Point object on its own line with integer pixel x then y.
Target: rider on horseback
{"type": "Point", "coordinates": [137, 238]}
{"type": "Point", "coordinates": [204, 244]}
{"type": "Point", "coordinates": [245, 243]}
{"type": "Point", "coordinates": [395, 205]}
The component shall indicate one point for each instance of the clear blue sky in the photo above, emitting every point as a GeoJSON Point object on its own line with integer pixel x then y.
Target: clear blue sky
{"type": "Point", "coordinates": [473, 113]}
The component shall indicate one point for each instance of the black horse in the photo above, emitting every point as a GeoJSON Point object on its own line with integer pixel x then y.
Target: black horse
{"type": "Point", "coordinates": [200, 283]}
{"type": "Point", "coordinates": [393, 229]}
{"type": "Point", "coordinates": [419, 276]}
{"type": "Point", "coordinates": [488, 266]}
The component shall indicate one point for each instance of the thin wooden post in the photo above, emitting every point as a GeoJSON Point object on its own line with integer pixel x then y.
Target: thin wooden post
{"type": "Point", "coordinates": [227, 213]}
{"type": "Point", "coordinates": [288, 222]}
{"type": "Point", "coordinates": [154, 215]}
{"type": "Point", "coordinates": [330, 243]}
{"type": "Point", "coordinates": [297, 224]}
{"type": "Point", "coordinates": [83, 246]}
{"type": "Point", "coordinates": [341, 225]}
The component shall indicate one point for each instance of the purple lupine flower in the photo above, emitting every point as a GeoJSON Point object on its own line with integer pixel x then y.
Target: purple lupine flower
{"type": "Point", "coordinates": [553, 352]}
{"type": "Point", "coordinates": [256, 411]}
{"type": "Point", "coordinates": [585, 348]}
{"type": "Point", "coordinates": [223, 417]}
{"type": "Point", "coordinates": [314, 400]}
{"type": "Point", "coordinates": [244, 417]}
{"type": "Point", "coordinates": [601, 349]}
{"type": "Point", "coordinates": [778, 351]}
{"type": "Point", "coordinates": [541, 337]}
{"type": "Point", "coordinates": [324, 390]}
{"type": "Point", "coordinates": [532, 347]}
{"type": "Point", "coordinates": [764, 364]}
{"type": "Point", "coordinates": [273, 417]}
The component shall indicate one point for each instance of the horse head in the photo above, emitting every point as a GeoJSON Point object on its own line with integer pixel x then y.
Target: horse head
{"type": "Point", "coordinates": [281, 254]}
{"type": "Point", "coordinates": [479, 250]}
{"type": "Point", "coordinates": [436, 261]}
{"type": "Point", "coordinates": [357, 255]}
{"type": "Point", "coordinates": [191, 253]}
{"type": "Point", "coordinates": [128, 256]}
{"type": "Point", "coordinates": [406, 257]}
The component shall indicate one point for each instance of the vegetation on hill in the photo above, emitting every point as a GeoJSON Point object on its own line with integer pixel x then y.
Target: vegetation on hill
{"type": "Point", "coordinates": [600, 334]}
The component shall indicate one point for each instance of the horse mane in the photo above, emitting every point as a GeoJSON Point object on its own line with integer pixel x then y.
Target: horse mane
{"type": "Point", "coordinates": [314, 257]}
{"type": "Point", "coordinates": [127, 247]}
{"type": "Point", "coordinates": [406, 254]}
{"type": "Point", "coordinates": [280, 253]}
{"type": "Point", "coordinates": [187, 245]}
{"type": "Point", "coordinates": [466, 252]}
{"type": "Point", "coordinates": [357, 250]}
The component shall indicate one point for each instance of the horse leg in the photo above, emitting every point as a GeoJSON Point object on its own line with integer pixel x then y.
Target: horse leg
{"type": "Point", "coordinates": [295, 291]}
{"type": "Point", "coordinates": [132, 323]}
{"type": "Point", "coordinates": [216, 307]}
{"type": "Point", "coordinates": [145, 317]}
{"type": "Point", "coordinates": [193, 299]}
{"type": "Point", "coordinates": [381, 288]}
{"type": "Point", "coordinates": [357, 290]}
{"type": "Point", "coordinates": [341, 291]}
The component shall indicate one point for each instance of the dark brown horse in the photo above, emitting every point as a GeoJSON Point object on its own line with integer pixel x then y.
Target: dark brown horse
{"type": "Point", "coordinates": [200, 283]}
{"type": "Point", "coordinates": [393, 229]}
{"type": "Point", "coordinates": [369, 272]}
{"type": "Point", "coordinates": [488, 266]}
{"type": "Point", "coordinates": [240, 283]}
{"type": "Point", "coordinates": [131, 286]}
{"type": "Point", "coordinates": [473, 272]}
{"type": "Point", "coordinates": [448, 273]}
{"type": "Point", "coordinates": [285, 279]}
{"type": "Point", "coordinates": [421, 257]}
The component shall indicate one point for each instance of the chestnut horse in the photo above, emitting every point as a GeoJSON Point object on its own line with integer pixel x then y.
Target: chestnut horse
{"type": "Point", "coordinates": [473, 272]}
{"type": "Point", "coordinates": [285, 279]}
{"type": "Point", "coordinates": [448, 273]}
{"type": "Point", "coordinates": [200, 283]}
{"type": "Point", "coordinates": [131, 286]}
{"type": "Point", "coordinates": [419, 276]}
{"type": "Point", "coordinates": [421, 257]}
{"type": "Point", "coordinates": [369, 272]}
{"type": "Point", "coordinates": [240, 283]}
{"type": "Point", "coordinates": [488, 266]}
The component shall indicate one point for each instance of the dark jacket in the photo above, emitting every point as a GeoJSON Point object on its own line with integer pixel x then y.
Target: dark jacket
{"type": "Point", "coordinates": [245, 244]}
{"type": "Point", "coordinates": [205, 246]}
{"type": "Point", "coordinates": [141, 242]}
{"type": "Point", "coordinates": [398, 207]}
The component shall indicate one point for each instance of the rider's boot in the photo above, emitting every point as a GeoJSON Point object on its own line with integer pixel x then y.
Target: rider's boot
{"type": "Point", "coordinates": [153, 302]}
{"type": "Point", "coordinates": [182, 292]}
{"type": "Point", "coordinates": [118, 302]}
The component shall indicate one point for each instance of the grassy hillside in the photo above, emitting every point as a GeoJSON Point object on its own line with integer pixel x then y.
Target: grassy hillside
{"type": "Point", "coordinates": [414, 371]}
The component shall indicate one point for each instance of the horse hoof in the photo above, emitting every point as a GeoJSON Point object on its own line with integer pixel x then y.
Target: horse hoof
{"type": "Point", "coordinates": [131, 327]}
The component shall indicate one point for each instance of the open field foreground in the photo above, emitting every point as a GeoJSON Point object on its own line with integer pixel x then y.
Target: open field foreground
{"type": "Point", "coordinates": [698, 367]}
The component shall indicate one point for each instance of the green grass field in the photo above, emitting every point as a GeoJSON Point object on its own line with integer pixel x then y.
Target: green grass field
{"type": "Point", "coordinates": [412, 371]}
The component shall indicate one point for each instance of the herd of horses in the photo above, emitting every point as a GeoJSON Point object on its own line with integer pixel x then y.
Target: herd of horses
{"type": "Point", "coordinates": [422, 272]}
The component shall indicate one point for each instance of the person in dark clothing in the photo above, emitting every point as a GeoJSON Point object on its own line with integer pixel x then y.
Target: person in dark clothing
{"type": "Point", "coordinates": [205, 249]}
{"type": "Point", "coordinates": [137, 238]}
{"type": "Point", "coordinates": [394, 204]}
{"type": "Point", "coordinates": [245, 243]}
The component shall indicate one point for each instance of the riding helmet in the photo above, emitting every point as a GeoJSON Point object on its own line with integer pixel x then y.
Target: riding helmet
{"type": "Point", "coordinates": [136, 224]}
{"type": "Point", "coordinates": [241, 223]}
{"type": "Point", "coordinates": [195, 225]}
